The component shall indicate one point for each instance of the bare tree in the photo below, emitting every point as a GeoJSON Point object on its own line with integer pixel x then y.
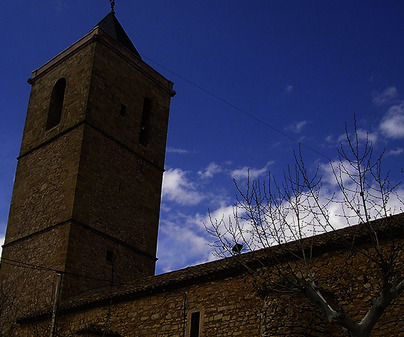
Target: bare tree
{"type": "Point", "coordinates": [287, 215]}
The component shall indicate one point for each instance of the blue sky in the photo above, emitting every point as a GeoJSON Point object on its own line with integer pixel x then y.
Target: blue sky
{"type": "Point", "coordinates": [252, 80]}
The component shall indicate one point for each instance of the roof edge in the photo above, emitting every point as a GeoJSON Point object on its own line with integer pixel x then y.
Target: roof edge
{"type": "Point", "coordinates": [232, 266]}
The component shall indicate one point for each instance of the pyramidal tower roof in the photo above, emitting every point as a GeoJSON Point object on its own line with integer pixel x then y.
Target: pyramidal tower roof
{"type": "Point", "coordinates": [110, 25]}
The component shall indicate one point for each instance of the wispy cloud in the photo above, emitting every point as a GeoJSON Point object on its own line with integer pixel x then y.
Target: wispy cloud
{"type": "Point", "coordinates": [330, 139]}
{"type": "Point", "coordinates": [363, 135]}
{"type": "Point", "coordinates": [210, 170]}
{"type": "Point", "coordinates": [1, 243]}
{"type": "Point", "coordinates": [253, 173]}
{"type": "Point", "coordinates": [386, 97]}
{"type": "Point", "coordinates": [341, 212]}
{"type": "Point", "coordinates": [176, 150]}
{"type": "Point", "coordinates": [392, 124]}
{"type": "Point", "coordinates": [60, 5]}
{"type": "Point", "coordinates": [177, 188]}
{"type": "Point", "coordinates": [296, 127]}
{"type": "Point", "coordinates": [288, 89]}
{"type": "Point", "coordinates": [329, 171]}
{"type": "Point", "coordinates": [182, 242]}
{"type": "Point", "coordinates": [395, 152]}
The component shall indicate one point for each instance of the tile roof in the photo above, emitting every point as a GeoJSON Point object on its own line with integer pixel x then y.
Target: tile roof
{"type": "Point", "coordinates": [341, 239]}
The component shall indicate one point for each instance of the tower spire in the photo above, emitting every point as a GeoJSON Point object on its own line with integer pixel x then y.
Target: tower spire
{"type": "Point", "coordinates": [112, 2]}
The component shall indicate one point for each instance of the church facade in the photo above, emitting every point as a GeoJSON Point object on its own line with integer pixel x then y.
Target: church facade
{"type": "Point", "coordinates": [80, 249]}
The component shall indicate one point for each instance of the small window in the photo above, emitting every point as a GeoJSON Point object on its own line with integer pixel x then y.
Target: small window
{"type": "Point", "coordinates": [195, 324]}
{"type": "Point", "coordinates": [123, 110]}
{"type": "Point", "coordinates": [144, 136]}
{"type": "Point", "coordinates": [110, 256]}
{"type": "Point", "coordinates": [56, 104]}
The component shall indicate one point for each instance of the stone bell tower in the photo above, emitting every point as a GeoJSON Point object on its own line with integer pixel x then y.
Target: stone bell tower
{"type": "Point", "coordinates": [87, 189]}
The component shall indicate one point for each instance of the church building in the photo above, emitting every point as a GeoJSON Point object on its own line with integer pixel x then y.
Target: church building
{"type": "Point", "coordinates": [80, 249]}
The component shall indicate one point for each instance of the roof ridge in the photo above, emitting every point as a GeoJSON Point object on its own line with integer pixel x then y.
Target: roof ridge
{"type": "Point", "coordinates": [325, 242]}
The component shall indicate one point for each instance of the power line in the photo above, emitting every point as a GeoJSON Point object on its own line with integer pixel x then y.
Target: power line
{"type": "Point", "coordinates": [37, 267]}
{"type": "Point", "coordinates": [235, 107]}
{"type": "Point", "coordinates": [6, 298]}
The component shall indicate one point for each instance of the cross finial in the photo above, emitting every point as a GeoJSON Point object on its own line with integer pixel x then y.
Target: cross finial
{"type": "Point", "coordinates": [112, 6]}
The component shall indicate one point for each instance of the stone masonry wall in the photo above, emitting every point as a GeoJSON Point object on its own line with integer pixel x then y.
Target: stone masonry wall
{"type": "Point", "coordinates": [31, 278]}
{"type": "Point", "coordinates": [88, 176]}
{"type": "Point", "coordinates": [76, 69]}
{"type": "Point", "coordinates": [349, 282]}
{"type": "Point", "coordinates": [231, 306]}
{"type": "Point", "coordinates": [225, 311]}
{"type": "Point", "coordinates": [44, 186]}
{"type": "Point", "coordinates": [118, 193]}
{"type": "Point", "coordinates": [118, 78]}
{"type": "Point", "coordinates": [88, 267]}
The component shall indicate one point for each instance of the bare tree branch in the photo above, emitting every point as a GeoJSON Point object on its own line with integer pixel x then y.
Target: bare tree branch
{"type": "Point", "coordinates": [274, 213]}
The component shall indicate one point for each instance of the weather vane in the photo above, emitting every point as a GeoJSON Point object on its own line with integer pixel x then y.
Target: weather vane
{"type": "Point", "coordinates": [112, 6]}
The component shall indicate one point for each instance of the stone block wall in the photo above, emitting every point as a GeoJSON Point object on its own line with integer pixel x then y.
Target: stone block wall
{"type": "Point", "coordinates": [228, 308]}
{"type": "Point", "coordinates": [44, 186]}
{"type": "Point", "coordinates": [230, 303]}
{"type": "Point", "coordinates": [87, 194]}
{"type": "Point", "coordinates": [76, 69]}
{"type": "Point", "coordinates": [89, 266]}
{"type": "Point", "coordinates": [121, 79]}
{"type": "Point", "coordinates": [29, 267]}
{"type": "Point", "coordinates": [118, 192]}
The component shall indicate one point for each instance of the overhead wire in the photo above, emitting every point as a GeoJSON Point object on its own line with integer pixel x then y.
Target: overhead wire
{"type": "Point", "coordinates": [21, 264]}
{"type": "Point", "coordinates": [26, 265]}
{"type": "Point", "coordinates": [219, 98]}
{"type": "Point", "coordinates": [15, 263]}
{"type": "Point", "coordinates": [235, 107]}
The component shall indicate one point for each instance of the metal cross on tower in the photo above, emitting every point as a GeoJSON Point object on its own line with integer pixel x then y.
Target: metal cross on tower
{"type": "Point", "coordinates": [112, 6]}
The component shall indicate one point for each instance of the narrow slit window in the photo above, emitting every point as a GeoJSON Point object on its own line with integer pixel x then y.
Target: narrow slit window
{"type": "Point", "coordinates": [56, 104]}
{"type": "Point", "coordinates": [144, 136]}
{"type": "Point", "coordinates": [195, 323]}
{"type": "Point", "coordinates": [109, 256]}
{"type": "Point", "coordinates": [123, 110]}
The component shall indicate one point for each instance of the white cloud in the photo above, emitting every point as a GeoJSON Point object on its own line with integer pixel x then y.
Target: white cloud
{"type": "Point", "coordinates": [395, 152]}
{"type": "Point", "coordinates": [210, 170]}
{"type": "Point", "coordinates": [288, 89]}
{"type": "Point", "coordinates": [315, 215]}
{"type": "Point", "coordinates": [60, 5]}
{"type": "Point", "coordinates": [329, 139]}
{"type": "Point", "coordinates": [182, 243]}
{"type": "Point", "coordinates": [386, 97]}
{"type": "Point", "coordinates": [183, 240]}
{"type": "Point", "coordinates": [297, 127]}
{"type": "Point", "coordinates": [342, 214]}
{"type": "Point", "coordinates": [330, 170]}
{"type": "Point", "coordinates": [253, 173]}
{"type": "Point", "coordinates": [223, 212]}
{"type": "Point", "coordinates": [337, 209]}
{"type": "Point", "coordinates": [363, 135]}
{"type": "Point", "coordinates": [176, 150]}
{"type": "Point", "coordinates": [392, 125]}
{"type": "Point", "coordinates": [177, 188]}
{"type": "Point", "coordinates": [1, 243]}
